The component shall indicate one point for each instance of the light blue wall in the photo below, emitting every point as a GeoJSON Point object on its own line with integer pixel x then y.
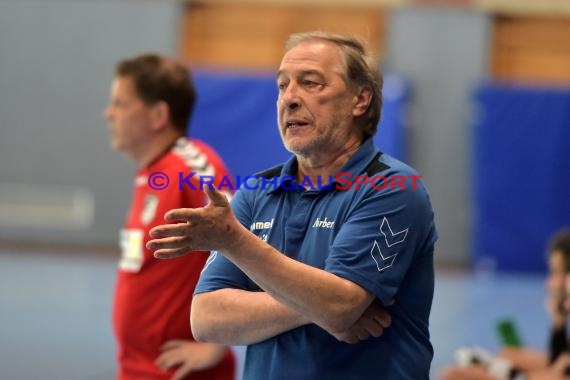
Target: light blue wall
{"type": "Point", "coordinates": [56, 63]}
{"type": "Point", "coordinates": [444, 53]}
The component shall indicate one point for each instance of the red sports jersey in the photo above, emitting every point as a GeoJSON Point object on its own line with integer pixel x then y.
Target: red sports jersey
{"type": "Point", "coordinates": [152, 296]}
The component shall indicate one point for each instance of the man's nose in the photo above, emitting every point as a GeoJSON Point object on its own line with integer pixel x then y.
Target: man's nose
{"type": "Point", "coordinates": [293, 105]}
{"type": "Point", "coordinates": [290, 97]}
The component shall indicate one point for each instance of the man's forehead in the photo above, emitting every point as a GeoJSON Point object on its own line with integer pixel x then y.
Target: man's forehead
{"type": "Point", "coordinates": [124, 84]}
{"type": "Point", "coordinates": [313, 56]}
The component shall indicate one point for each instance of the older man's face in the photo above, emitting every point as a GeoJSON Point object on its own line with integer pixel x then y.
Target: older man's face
{"type": "Point", "coordinates": [316, 107]}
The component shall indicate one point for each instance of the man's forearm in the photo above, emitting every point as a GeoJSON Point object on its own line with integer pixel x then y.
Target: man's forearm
{"type": "Point", "coordinates": [331, 302]}
{"type": "Point", "coordinates": [239, 317]}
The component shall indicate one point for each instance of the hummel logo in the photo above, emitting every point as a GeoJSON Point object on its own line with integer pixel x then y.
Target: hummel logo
{"type": "Point", "coordinates": [323, 223]}
{"type": "Point", "coordinates": [261, 225]}
{"type": "Point", "coordinates": [391, 238]}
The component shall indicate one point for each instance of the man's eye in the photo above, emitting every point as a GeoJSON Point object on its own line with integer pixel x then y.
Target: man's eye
{"type": "Point", "coordinates": [311, 84]}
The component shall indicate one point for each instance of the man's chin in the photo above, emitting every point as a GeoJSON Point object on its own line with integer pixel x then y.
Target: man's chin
{"type": "Point", "coordinates": [302, 147]}
{"type": "Point", "coordinates": [298, 150]}
{"type": "Point", "coordinates": [115, 143]}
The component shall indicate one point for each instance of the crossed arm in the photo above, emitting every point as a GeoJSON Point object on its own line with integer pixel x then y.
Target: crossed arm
{"type": "Point", "coordinates": [239, 317]}
{"type": "Point", "coordinates": [295, 293]}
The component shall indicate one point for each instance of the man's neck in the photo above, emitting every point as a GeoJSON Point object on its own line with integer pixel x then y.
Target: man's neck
{"type": "Point", "coordinates": [158, 147]}
{"type": "Point", "coordinates": [323, 165]}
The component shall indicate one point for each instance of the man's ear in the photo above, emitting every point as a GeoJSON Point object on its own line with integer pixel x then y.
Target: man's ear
{"type": "Point", "coordinates": [159, 115]}
{"type": "Point", "coordinates": [362, 101]}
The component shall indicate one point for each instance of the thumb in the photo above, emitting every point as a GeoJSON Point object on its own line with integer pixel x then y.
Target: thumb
{"type": "Point", "coordinates": [215, 197]}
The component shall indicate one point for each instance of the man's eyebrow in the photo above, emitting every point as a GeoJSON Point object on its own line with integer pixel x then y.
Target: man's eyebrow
{"type": "Point", "coordinates": [311, 72]}
{"type": "Point", "coordinates": [300, 73]}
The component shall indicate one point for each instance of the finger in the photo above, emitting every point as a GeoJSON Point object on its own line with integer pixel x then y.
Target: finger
{"type": "Point", "coordinates": [351, 340]}
{"type": "Point", "coordinates": [171, 253]}
{"type": "Point", "coordinates": [180, 214]}
{"type": "Point", "coordinates": [173, 343]}
{"type": "Point", "coordinates": [168, 230]}
{"type": "Point", "coordinates": [384, 318]}
{"type": "Point", "coordinates": [160, 361]}
{"type": "Point", "coordinates": [173, 242]}
{"type": "Point", "coordinates": [362, 334]}
{"type": "Point", "coordinates": [372, 327]}
{"type": "Point", "coordinates": [377, 333]}
{"type": "Point", "coordinates": [216, 198]}
{"type": "Point", "coordinates": [181, 372]}
{"type": "Point", "coordinates": [167, 360]}
{"type": "Point", "coordinates": [347, 338]}
{"type": "Point", "coordinates": [379, 314]}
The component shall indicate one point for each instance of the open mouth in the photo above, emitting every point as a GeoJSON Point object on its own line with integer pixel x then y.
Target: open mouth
{"type": "Point", "coordinates": [296, 124]}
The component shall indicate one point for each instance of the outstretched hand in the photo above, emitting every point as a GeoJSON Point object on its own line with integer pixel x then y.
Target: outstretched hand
{"type": "Point", "coordinates": [212, 227]}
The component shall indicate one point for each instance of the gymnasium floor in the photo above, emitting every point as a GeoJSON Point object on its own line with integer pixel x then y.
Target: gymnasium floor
{"type": "Point", "coordinates": [55, 314]}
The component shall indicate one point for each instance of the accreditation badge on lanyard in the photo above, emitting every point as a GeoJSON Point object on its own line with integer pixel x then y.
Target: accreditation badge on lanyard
{"type": "Point", "coordinates": [132, 253]}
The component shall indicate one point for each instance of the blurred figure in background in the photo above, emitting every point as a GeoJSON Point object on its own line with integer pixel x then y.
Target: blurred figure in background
{"type": "Point", "coordinates": [152, 98]}
{"type": "Point", "coordinates": [528, 364]}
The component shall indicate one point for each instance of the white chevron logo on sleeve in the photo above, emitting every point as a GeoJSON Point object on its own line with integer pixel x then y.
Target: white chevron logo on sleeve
{"type": "Point", "coordinates": [381, 261]}
{"type": "Point", "coordinates": [391, 237]}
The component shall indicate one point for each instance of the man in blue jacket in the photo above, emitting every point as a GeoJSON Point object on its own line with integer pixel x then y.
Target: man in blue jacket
{"type": "Point", "coordinates": [317, 257]}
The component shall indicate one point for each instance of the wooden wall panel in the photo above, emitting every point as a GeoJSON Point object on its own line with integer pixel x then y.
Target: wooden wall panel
{"type": "Point", "coordinates": [531, 49]}
{"type": "Point", "coordinates": [252, 36]}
